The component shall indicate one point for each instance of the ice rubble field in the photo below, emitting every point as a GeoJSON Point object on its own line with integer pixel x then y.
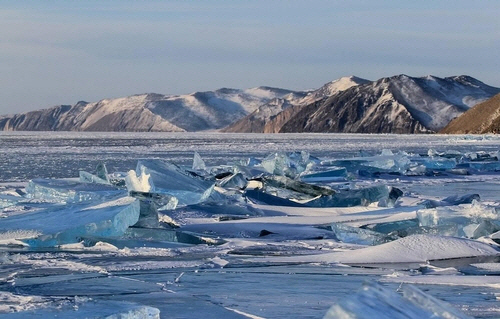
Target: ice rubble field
{"type": "Point", "coordinates": [249, 226]}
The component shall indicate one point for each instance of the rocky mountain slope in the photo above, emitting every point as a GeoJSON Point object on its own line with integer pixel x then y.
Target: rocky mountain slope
{"type": "Point", "coordinates": [398, 104]}
{"type": "Point", "coordinates": [149, 112]}
{"type": "Point", "coordinates": [270, 117]}
{"type": "Point", "coordinates": [482, 118]}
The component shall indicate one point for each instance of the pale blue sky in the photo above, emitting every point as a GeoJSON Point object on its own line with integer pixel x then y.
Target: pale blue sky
{"type": "Point", "coordinates": [60, 52]}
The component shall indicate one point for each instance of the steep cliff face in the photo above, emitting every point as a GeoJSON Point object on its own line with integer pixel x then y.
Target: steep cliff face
{"type": "Point", "coordinates": [482, 118]}
{"type": "Point", "coordinates": [399, 104]}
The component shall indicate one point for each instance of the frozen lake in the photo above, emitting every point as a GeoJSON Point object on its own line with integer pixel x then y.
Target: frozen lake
{"type": "Point", "coordinates": [25, 155]}
{"type": "Point", "coordinates": [185, 281]}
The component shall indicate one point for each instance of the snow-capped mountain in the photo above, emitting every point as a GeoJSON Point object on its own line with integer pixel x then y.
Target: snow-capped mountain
{"type": "Point", "coordinates": [398, 104]}
{"type": "Point", "coordinates": [149, 112]}
{"type": "Point", "coordinates": [270, 117]}
{"type": "Point", "coordinates": [482, 118]}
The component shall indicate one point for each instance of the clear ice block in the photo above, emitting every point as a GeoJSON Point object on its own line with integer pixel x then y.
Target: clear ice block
{"type": "Point", "coordinates": [67, 224]}
{"type": "Point", "coordinates": [170, 179]}
{"type": "Point", "coordinates": [70, 191]}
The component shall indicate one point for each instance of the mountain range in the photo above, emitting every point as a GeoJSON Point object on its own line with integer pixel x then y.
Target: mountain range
{"type": "Point", "coordinates": [397, 104]}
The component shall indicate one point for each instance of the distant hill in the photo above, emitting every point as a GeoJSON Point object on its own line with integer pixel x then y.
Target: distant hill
{"type": "Point", "coordinates": [149, 112]}
{"type": "Point", "coordinates": [482, 118]}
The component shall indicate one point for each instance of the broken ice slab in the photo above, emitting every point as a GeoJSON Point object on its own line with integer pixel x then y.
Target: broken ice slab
{"type": "Point", "coordinates": [90, 309]}
{"type": "Point", "coordinates": [70, 191]}
{"type": "Point", "coordinates": [233, 181]}
{"type": "Point", "coordinates": [198, 163]}
{"type": "Point", "coordinates": [251, 161]}
{"type": "Point", "coordinates": [101, 176]}
{"type": "Point", "coordinates": [360, 236]}
{"type": "Point", "coordinates": [255, 229]}
{"type": "Point", "coordinates": [161, 201]}
{"type": "Point", "coordinates": [386, 162]}
{"type": "Point", "coordinates": [86, 177]}
{"type": "Point", "coordinates": [300, 187]}
{"type": "Point", "coordinates": [135, 237]}
{"type": "Point", "coordinates": [9, 200]}
{"type": "Point", "coordinates": [277, 164]}
{"type": "Point", "coordinates": [330, 175]}
{"type": "Point", "coordinates": [376, 301]}
{"type": "Point", "coordinates": [166, 178]}
{"type": "Point", "coordinates": [438, 307]}
{"type": "Point", "coordinates": [169, 235]}
{"type": "Point", "coordinates": [290, 165]}
{"type": "Point", "coordinates": [385, 195]}
{"type": "Point", "coordinates": [451, 201]}
{"type": "Point", "coordinates": [66, 224]}
{"type": "Point", "coordinates": [482, 166]}
{"type": "Point", "coordinates": [439, 163]}
{"type": "Point", "coordinates": [397, 228]}
{"type": "Point", "coordinates": [469, 220]}
{"type": "Point", "coordinates": [264, 198]}
{"type": "Point", "coordinates": [212, 210]}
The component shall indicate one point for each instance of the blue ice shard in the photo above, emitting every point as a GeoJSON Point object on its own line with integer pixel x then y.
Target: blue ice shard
{"type": "Point", "coordinates": [383, 194]}
{"type": "Point", "coordinates": [170, 179]}
{"type": "Point", "coordinates": [233, 181]}
{"type": "Point", "coordinates": [68, 191]}
{"type": "Point", "coordinates": [86, 177]}
{"type": "Point", "coordinates": [198, 163]}
{"type": "Point", "coordinates": [101, 176]}
{"type": "Point", "coordinates": [451, 201]}
{"type": "Point", "coordinates": [360, 236]}
{"type": "Point", "coordinates": [68, 223]}
{"type": "Point", "coordinates": [330, 175]}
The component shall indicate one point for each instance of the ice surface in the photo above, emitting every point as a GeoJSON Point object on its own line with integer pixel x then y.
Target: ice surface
{"type": "Point", "coordinates": [298, 251]}
{"type": "Point", "coordinates": [167, 178]}
{"type": "Point", "coordinates": [375, 301]}
{"type": "Point", "coordinates": [91, 309]}
{"type": "Point", "coordinates": [64, 225]}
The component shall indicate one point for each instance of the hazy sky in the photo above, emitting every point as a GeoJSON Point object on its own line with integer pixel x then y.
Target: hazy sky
{"type": "Point", "coordinates": [60, 52]}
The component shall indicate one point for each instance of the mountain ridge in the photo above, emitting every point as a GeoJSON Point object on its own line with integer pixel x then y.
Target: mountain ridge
{"type": "Point", "coordinates": [396, 104]}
